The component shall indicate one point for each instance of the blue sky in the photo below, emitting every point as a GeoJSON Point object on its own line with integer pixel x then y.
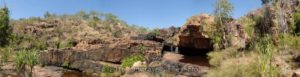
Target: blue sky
{"type": "Point", "coordinates": [147, 13]}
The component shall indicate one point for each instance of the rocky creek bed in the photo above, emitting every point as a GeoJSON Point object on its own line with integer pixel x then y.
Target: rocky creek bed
{"type": "Point", "coordinates": [175, 52]}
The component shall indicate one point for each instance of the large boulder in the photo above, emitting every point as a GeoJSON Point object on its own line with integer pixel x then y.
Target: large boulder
{"type": "Point", "coordinates": [196, 33]}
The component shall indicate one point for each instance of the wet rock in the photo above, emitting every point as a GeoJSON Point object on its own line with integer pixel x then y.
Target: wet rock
{"type": "Point", "coordinates": [193, 70]}
{"type": "Point", "coordinates": [172, 67]}
{"type": "Point", "coordinates": [184, 69]}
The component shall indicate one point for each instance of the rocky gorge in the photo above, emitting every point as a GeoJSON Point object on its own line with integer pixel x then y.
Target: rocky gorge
{"type": "Point", "coordinates": [263, 43]}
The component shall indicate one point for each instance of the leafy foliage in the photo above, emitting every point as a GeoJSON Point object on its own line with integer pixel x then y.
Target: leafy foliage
{"type": "Point", "coordinates": [25, 57]}
{"type": "Point", "coordinates": [107, 69]}
{"type": "Point", "coordinates": [297, 23]}
{"type": "Point", "coordinates": [266, 51]}
{"type": "Point", "coordinates": [129, 61]}
{"type": "Point", "coordinates": [154, 33]}
{"type": "Point", "coordinates": [5, 54]}
{"type": "Point", "coordinates": [64, 31]}
{"type": "Point", "coordinates": [223, 11]}
{"type": "Point", "coordinates": [256, 63]}
{"type": "Point", "coordinates": [20, 60]}
{"type": "Point", "coordinates": [4, 26]}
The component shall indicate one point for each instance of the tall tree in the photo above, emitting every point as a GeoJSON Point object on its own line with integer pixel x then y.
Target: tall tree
{"type": "Point", "coordinates": [47, 15]}
{"type": "Point", "coordinates": [4, 26]}
{"type": "Point", "coordinates": [95, 15]}
{"type": "Point", "coordinates": [223, 12]}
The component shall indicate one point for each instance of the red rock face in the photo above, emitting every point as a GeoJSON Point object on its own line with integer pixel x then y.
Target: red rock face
{"type": "Point", "coordinates": [192, 42]}
{"type": "Point", "coordinates": [194, 33]}
{"type": "Point", "coordinates": [94, 57]}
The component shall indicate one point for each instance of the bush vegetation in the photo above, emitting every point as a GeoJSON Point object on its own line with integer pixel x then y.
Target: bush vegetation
{"type": "Point", "coordinates": [222, 13]}
{"type": "Point", "coordinates": [266, 51]}
{"type": "Point", "coordinates": [4, 26]}
{"type": "Point", "coordinates": [5, 54]}
{"type": "Point", "coordinates": [129, 61]}
{"type": "Point", "coordinates": [257, 62]}
{"type": "Point", "coordinates": [107, 71]}
{"type": "Point", "coordinates": [25, 58]}
{"type": "Point", "coordinates": [297, 23]}
{"type": "Point", "coordinates": [261, 56]}
{"type": "Point", "coordinates": [236, 67]}
{"type": "Point", "coordinates": [152, 34]}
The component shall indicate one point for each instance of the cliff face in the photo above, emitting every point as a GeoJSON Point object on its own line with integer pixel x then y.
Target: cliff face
{"type": "Point", "coordinates": [93, 45]}
{"type": "Point", "coordinates": [278, 16]}
{"type": "Point", "coordinates": [196, 33]}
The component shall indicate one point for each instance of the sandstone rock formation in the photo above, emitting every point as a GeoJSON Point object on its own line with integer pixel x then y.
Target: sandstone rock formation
{"type": "Point", "coordinates": [196, 33]}
{"type": "Point", "coordinates": [239, 38]}
{"type": "Point", "coordinates": [94, 57]}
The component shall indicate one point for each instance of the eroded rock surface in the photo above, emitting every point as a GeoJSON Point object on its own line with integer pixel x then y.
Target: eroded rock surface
{"type": "Point", "coordinates": [239, 38]}
{"type": "Point", "coordinates": [93, 57]}
{"type": "Point", "coordinates": [196, 33]}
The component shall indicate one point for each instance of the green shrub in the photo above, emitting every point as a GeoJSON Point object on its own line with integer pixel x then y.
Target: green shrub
{"type": "Point", "coordinates": [137, 28]}
{"type": "Point", "coordinates": [296, 19]}
{"type": "Point", "coordinates": [216, 39]}
{"type": "Point", "coordinates": [40, 45]}
{"type": "Point", "coordinates": [129, 61]}
{"type": "Point", "coordinates": [25, 57]}
{"type": "Point", "coordinates": [255, 63]}
{"type": "Point", "coordinates": [5, 54]}
{"type": "Point", "coordinates": [152, 34]}
{"type": "Point", "coordinates": [4, 26]}
{"type": "Point", "coordinates": [141, 48]}
{"type": "Point", "coordinates": [118, 34]}
{"type": "Point", "coordinates": [32, 58]}
{"type": "Point", "coordinates": [266, 51]}
{"type": "Point", "coordinates": [66, 44]}
{"type": "Point", "coordinates": [107, 69]}
{"type": "Point", "coordinates": [20, 60]}
{"type": "Point", "coordinates": [289, 42]}
{"type": "Point", "coordinates": [249, 23]}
